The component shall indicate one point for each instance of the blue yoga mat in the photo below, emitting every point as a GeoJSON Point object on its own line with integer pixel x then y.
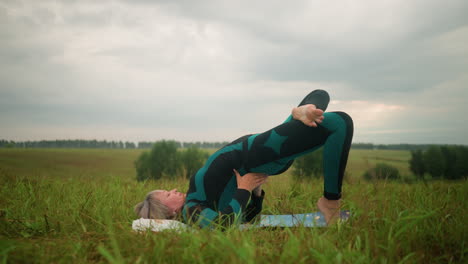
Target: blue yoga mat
{"type": "Point", "coordinates": [315, 219]}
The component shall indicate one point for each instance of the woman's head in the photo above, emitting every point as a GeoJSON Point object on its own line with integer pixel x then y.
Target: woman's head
{"type": "Point", "coordinates": [161, 204]}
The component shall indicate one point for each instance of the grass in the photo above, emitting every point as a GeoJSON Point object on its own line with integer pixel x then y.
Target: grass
{"type": "Point", "coordinates": [67, 205]}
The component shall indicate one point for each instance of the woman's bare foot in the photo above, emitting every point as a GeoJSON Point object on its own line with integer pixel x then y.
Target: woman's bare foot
{"type": "Point", "coordinates": [330, 209]}
{"type": "Point", "coordinates": [308, 114]}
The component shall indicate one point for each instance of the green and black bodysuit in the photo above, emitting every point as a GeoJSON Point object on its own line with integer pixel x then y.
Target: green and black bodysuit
{"type": "Point", "coordinates": [213, 197]}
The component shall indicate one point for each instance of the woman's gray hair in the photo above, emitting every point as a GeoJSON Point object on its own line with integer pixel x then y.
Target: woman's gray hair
{"type": "Point", "coordinates": [152, 208]}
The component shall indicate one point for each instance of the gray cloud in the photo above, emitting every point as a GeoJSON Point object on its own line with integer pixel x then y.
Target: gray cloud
{"type": "Point", "coordinates": [384, 43]}
{"type": "Point", "coordinates": [221, 68]}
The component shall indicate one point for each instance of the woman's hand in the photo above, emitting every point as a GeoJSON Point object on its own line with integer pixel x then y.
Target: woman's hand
{"type": "Point", "coordinates": [250, 181]}
{"type": "Point", "coordinates": [308, 114]}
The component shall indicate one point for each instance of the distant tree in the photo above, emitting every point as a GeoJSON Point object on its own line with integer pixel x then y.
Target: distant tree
{"type": "Point", "coordinates": [450, 158]}
{"type": "Point", "coordinates": [381, 146]}
{"type": "Point", "coordinates": [129, 145]}
{"type": "Point", "coordinates": [417, 163]}
{"type": "Point", "coordinates": [434, 162]}
{"type": "Point", "coordinates": [382, 171]}
{"type": "Point", "coordinates": [145, 144]}
{"type": "Point", "coordinates": [362, 146]}
{"type": "Point", "coordinates": [461, 162]}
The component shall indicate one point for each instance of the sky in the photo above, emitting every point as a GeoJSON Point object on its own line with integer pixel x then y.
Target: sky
{"type": "Point", "coordinates": [214, 70]}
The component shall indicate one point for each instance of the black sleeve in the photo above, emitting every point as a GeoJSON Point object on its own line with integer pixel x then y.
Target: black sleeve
{"type": "Point", "coordinates": [198, 212]}
{"type": "Point", "coordinates": [254, 207]}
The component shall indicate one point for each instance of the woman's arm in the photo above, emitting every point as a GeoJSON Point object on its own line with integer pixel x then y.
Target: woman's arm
{"type": "Point", "coordinates": [201, 214]}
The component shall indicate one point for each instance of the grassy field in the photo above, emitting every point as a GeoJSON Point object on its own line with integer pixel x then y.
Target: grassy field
{"type": "Point", "coordinates": [62, 206]}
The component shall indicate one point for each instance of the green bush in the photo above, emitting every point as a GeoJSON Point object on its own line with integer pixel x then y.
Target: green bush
{"type": "Point", "coordinates": [193, 159]}
{"type": "Point", "coordinates": [461, 163]}
{"type": "Point", "coordinates": [417, 165]}
{"type": "Point", "coordinates": [382, 171]}
{"type": "Point", "coordinates": [165, 161]}
{"type": "Point", "coordinates": [162, 160]}
{"type": "Point", "coordinates": [434, 161]}
{"type": "Point", "coordinates": [142, 167]}
{"type": "Point", "coordinates": [309, 166]}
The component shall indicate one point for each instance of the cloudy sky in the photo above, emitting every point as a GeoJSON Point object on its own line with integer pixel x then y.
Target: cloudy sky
{"type": "Point", "coordinates": [215, 70]}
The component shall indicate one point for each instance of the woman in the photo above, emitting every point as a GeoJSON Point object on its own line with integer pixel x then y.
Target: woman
{"type": "Point", "coordinates": [219, 193]}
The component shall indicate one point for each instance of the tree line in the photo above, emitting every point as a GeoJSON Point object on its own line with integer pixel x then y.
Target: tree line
{"type": "Point", "coordinates": [391, 146]}
{"type": "Point", "coordinates": [78, 143]}
{"type": "Point", "coordinates": [166, 159]}
{"type": "Point", "coordinates": [440, 162]}
{"type": "Point", "coordinates": [437, 161]}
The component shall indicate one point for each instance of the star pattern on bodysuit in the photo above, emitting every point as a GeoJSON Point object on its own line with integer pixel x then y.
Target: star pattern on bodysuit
{"type": "Point", "coordinates": [275, 141]}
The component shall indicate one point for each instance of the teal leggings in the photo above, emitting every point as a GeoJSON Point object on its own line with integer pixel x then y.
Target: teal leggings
{"type": "Point", "coordinates": [273, 151]}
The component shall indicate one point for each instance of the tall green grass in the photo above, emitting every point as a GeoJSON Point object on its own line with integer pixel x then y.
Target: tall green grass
{"type": "Point", "coordinates": [62, 206]}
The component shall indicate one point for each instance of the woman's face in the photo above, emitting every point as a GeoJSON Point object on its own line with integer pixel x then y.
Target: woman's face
{"type": "Point", "coordinates": [173, 199]}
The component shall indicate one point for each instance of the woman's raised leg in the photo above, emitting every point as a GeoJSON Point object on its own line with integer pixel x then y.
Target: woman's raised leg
{"type": "Point", "coordinates": [273, 151]}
